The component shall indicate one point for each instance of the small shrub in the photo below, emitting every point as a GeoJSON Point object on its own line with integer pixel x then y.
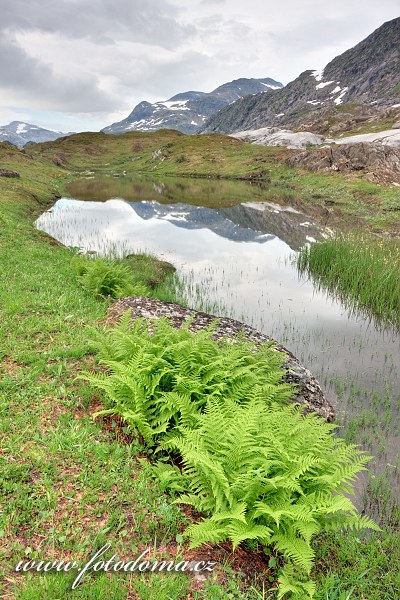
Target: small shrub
{"type": "Point", "coordinates": [108, 278]}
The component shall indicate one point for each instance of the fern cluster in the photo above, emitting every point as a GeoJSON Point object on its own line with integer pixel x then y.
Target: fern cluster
{"type": "Point", "coordinates": [107, 278]}
{"type": "Point", "coordinates": [255, 466]}
{"type": "Point", "coordinates": [161, 382]}
{"type": "Point", "coordinates": [270, 474]}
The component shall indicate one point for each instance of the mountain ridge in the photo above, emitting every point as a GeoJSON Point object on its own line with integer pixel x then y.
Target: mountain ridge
{"type": "Point", "coordinates": [368, 73]}
{"type": "Point", "coordinates": [187, 111]}
{"type": "Point", "coordinates": [20, 133]}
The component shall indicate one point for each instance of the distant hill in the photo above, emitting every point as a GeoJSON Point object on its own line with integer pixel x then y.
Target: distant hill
{"type": "Point", "coordinates": [188, 111]}
{"type": "Point", "coordinates": [20, 133]}
{"type": "Point", "coordinates": [368, 74]}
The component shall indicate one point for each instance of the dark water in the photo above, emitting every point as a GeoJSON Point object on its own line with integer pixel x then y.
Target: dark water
{"type": "Point", "coordinates": [235, 257]}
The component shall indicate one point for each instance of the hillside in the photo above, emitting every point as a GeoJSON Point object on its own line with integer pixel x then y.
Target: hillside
{"type": "Point", "coordinates": [368, 74]}
{"type": "Point", "coordinates": [166, 153]}
{"type": "Point", "coordinates": [188, 111]}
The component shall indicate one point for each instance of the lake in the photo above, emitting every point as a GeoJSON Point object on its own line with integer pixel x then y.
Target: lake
{"type": "Point", "coordinates": [235, 256]}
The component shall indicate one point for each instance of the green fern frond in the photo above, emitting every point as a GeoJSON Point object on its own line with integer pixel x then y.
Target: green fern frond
{"type": "Point", "coordinates": [291, 582]}
{"type": "Point", "coordinates": [206, 531]}
{"type": "Point", "coordinates": [256, 467]}
{"type": "Point", "coordinates": [297, 549]}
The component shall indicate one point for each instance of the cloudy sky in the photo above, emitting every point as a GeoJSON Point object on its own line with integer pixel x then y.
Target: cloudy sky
{"type": "Point", "coordinates": [82, 64]}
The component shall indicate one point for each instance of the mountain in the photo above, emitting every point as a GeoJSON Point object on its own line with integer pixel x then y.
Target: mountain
{"type": "Point", "coordinates": [188, 111]}
{"type": "Point", "coordinates": [256, 223]}
{"type": "Point", "coordinates": [368, 74]}
{"type": "Point", "coordinates": [20, 133]}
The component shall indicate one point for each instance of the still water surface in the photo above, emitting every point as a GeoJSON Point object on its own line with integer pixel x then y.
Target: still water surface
{"type": "Point", "coordinates": [238, 261]}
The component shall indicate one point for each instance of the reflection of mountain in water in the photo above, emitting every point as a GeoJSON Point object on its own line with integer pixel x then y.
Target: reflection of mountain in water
{"type": "Point", "coordinates": [199, 217]}
{"type": "Point", "coordinates": [242, 223]}
{"type": "Point", "coordinates": [286, 223]}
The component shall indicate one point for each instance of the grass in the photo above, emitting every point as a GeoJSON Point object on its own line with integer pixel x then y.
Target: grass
{"type": "Point", "coordinates": [371, 127]}
{"type": "Point", "coordinates": [369, 568]}
{"type": "Point", "coordinates": [352, 119]}
{"type": "Point", "coordinates": [69, 484]}
{"type": "Point", "coordinates": [363, 271]}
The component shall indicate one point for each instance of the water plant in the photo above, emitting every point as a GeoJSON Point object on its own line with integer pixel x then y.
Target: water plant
{"type": "Point", "coordinates": [362, 270]}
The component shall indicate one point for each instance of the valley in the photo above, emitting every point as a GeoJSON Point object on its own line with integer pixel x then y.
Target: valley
{"type": "Point", "coordinates": [231, 179]}
{"type": "Point", "coordinates": [268, 441]}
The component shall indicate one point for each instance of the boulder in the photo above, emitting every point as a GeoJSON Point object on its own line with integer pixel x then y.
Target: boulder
{"type": "Point", "coordinates": [8, 173]}
{"type": "Point", "coordinates": [273, 136]}
{"type": "Point", "coordinates": [389, 137]}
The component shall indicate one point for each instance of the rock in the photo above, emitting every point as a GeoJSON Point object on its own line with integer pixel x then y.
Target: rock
{"type": "Point", "coordinates": [273, 136]}
{"type": "Point", "coordinates": [59, 161]}
{"type": "Point", "coordinates": [8, 173]}
{"type": "Point", "coordinates": [378, 163]}
{"type": "Point", "coordinates": [309, 395]}
{"type": "Point", "coordinates": [396, 125]}
{"type": "Point", "coordinates": [187, 111]}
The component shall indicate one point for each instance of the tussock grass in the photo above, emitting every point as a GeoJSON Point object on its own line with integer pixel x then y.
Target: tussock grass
{"type": "Point", "coordinates": [363, 271]}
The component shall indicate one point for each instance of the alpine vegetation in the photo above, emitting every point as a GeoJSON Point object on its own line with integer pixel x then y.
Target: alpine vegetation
{"type": "Point", "coordinates": [363, 271]}
{"type": "Point", "coordinates": [162, 381]}
{"type": "Point", "coordinates": [255, 466]}
{"type": "Point", "coordinates": [270, 474]}
{"type": "Point", "coordinates": [108, 278]}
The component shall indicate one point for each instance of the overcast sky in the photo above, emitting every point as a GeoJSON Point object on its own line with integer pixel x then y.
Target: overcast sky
{"type": "Point", "coordinates": [82, 64]}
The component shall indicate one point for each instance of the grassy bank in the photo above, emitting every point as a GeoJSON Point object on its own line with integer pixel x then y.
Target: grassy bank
{"type": "Point", "coordinates": [364, 272]}
{"type": "Point", "coordinates": [69, 484]}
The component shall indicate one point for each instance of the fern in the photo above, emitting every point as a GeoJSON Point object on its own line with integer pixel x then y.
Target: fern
{"type": "Point", "coordinates": [162, 382]}
{"type": "Point", "coordinates": [261, 487]}
{"type": "Point", "coordinates": [253, 465]}
{"type": "Point", "coordinates": [107, 278]}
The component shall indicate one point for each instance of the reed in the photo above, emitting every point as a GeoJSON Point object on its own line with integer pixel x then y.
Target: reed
{"type": "Point", "coordinates": [363, 271]}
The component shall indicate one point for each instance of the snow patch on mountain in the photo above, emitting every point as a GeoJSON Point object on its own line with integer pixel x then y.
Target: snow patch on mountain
{"type": "Point", "coordinates": [324, 84]}
{"type": "Point", "coordinates": [338, 100]}
{"type": "Point", "coordinates": [318, 74]}
{"type": "Point", "coordinates": [20, 133]}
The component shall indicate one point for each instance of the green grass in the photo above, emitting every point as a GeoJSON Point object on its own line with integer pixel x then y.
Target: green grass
{"type": "Point", "coordinates": [371, 127]}
{"type": "Point", "coordinates": [365, 568]}
{"type": "Point", "coordinates": [69, 484]}
{"type": "Point", "coordinates": [363, 271]}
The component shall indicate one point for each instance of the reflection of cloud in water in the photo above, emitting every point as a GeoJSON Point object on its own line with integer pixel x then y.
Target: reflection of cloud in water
{"type": "Point", "coordinates": [254, 280]}
{"type": "Point", "coordinates": [257, 276]}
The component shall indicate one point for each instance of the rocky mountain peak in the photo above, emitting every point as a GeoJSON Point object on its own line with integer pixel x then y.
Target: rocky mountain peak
{"type": "Point", "coordinates": [20, 133]}
{"type": "Point", "coordinates": [187, 111]}
{"type": "Point", "coordinates": [368, 74]}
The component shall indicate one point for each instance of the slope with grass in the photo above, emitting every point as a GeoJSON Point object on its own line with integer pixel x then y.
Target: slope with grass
{"type": "Point", "coordinates": [69, 484]}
